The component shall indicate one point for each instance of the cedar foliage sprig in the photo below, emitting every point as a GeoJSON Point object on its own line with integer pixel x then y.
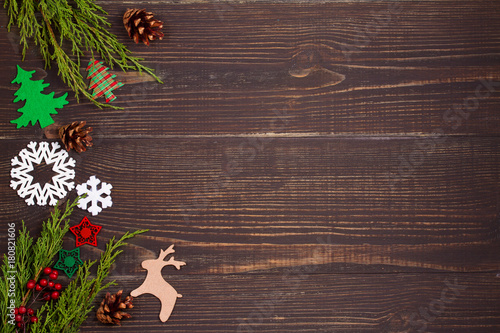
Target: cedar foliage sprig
{"type": "Point", "coordinates": [75, 303]}
{"type": "Point", "coordinates": [31, 258]}
{"type": "Point", "coordinates": [58, 26]}
{"type": "Point", "coordinates": [73, 306]}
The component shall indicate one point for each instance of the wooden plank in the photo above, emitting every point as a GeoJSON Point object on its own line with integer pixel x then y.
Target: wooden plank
{"type": "Point", "coordinates": [364, 68]}
{"type": "Point", "coordinates": [296, 301]}
{"type": "Point", "coordinates": [235, 203]}
{"type": "Point", "coordinates": [291, 158]}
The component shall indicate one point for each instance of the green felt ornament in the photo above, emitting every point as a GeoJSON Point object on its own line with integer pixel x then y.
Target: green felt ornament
{"type": "Point", "coordinates": [38, 106]}
{"type": "Point", "coordinates": [69, 261]}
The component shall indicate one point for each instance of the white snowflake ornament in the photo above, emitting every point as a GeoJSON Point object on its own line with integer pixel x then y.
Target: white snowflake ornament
{"type": "Point", "coordinates": [94, 195]}
{"type": "Point", "coordinates": [25, 162]}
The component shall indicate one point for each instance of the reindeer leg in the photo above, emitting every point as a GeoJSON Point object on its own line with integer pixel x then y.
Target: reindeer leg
{"type": "Point", "coordinates": [167, 306]}
{"type": "Point", "coordinates": [138, 291]}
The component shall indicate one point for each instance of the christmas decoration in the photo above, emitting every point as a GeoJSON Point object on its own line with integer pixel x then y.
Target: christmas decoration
{"type": "Point", "coordinates": [81, 26]}
{"type": "Point", "coordinates": [24, 317]}
{"type": "Point", "coordinates": [24, 163]}
{"type": "Point", "coordinates": [86, 232]}
{"type": "Point", "coordinates": [111, 309]}
{"type": "Point", "coordinates": [50, 289]}
{"type": "Point", "coordinates": [38, 106]}
{"type": "Point", "coordinates": [69, 261]}
{"type": "Point", "coordinates": [155, 284]}
{"type": "Point", "coordinates": [95, 195]}
{"type": "Point", "coordinates": [141, 26]}
{"type": "Point", "coordinates": [74, 136]}
{"type": "Point", "coordinates": [33, 258]}
{"type": "Point", "coordinates": [101, 81]}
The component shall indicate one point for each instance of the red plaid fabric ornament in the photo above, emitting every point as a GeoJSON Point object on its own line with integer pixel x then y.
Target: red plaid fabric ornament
{"type": "Point", "coordinates": [101, 81]}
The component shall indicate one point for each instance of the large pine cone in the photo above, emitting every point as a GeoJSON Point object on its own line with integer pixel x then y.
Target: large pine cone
{"type": "Point", "coordinates": [110, 310]}
{"type": "Point", "coordinates": [141, 26]}
{"type": "Point", "coordinates": [74, 136]}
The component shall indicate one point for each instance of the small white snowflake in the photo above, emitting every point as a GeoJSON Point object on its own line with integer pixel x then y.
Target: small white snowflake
{"type": "Point", "coordinates": [56, 189]}
{"type": "Point", "coordinates": [94, 195]}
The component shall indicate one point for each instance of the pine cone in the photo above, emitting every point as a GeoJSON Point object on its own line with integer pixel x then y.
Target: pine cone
{"type": "Point", "coordinates": [75, 137]}
{"type": "Point", "coordinates": [110, 311]}
{"type": "Point", "coordinates": [141, 26]}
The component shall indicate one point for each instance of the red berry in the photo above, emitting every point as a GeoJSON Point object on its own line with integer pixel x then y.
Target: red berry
{"type": "Point", "coordinates": [31, 284]}
{"type": "Point", "coordinates": [43, 282]}
{"type": "Point", "coordinates": [46, 297]}
{"type": "Point", "coordinates": [22, 309]}
{"type": "Point", "coordinates": [47, 270]}
{"type": "Point", "coordinates": [57, 286]}
{"type": "Point", "coordinates": [20, 324]}
{"type": "Point", "coordinates": [53, 275]}
{"type": "Point", "coordinates": [38, 287]}
{"type": "Point", "coordinates": [30, 311]}
{"type": "Point", "coordinates": [16, 311]}
{"type": "Point", "coordinates": [34, 319]}
{"type": "Point", "coordinates": [55, 295]}
{"type": "Point", "coordinates": [19, 318]}
{"type": "Point", "coordinates": [51, 284]}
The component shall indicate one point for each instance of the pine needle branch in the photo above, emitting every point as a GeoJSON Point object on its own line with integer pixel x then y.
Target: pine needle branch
{"type": "Point", "coordinates": [63, 31]}
{"type": "Point", "coordinates": [31, 257]}
{"type": "Point", "coordinates": [75, 303]}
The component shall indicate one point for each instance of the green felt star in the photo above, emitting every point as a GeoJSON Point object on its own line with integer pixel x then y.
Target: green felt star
{"type": "Point", "coordinates": [69, 261]}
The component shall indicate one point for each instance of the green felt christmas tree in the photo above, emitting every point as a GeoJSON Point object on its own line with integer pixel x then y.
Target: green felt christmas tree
{"type": "Point", "coordinates": [38, 106]}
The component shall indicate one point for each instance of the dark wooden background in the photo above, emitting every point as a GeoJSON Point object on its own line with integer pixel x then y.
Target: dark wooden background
{"type": "Point", "coordinates": [302, 159]}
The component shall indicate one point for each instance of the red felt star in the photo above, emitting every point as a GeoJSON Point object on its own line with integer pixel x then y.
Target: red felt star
{"type": "Point", "coordinates": [86, 232]}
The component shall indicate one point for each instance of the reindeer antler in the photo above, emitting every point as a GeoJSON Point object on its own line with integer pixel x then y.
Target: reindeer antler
{"type": "Point", "coordinates": [171, 260]}
{"type": "Point", "coordinates": [177, 264]}
{"type": "Point", "coordinates": [165, 253]}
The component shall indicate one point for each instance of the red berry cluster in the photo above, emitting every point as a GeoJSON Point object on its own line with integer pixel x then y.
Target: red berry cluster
{"type": "Point", "coordinates": [48, 285]}
{"type": "Point", "coordinates": [21, 312]}
{"type": "Point", "coordinates": [50, 289]}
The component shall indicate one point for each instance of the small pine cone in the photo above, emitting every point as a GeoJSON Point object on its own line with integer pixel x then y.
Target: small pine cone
{"type": "Point", "coordinates": [75, 137]}
{"type": "Point", "coordinates": [110, 310]}
{"type": "Point", "coordinates": [141, 26]}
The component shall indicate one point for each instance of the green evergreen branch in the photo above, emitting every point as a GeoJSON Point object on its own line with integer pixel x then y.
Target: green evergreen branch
{"type": "Point", "coordinates": [32, 257]}
{"type": "Point", "coordinates": [79, 26]}
{"type": "Point", "coordinates": [75, 303]}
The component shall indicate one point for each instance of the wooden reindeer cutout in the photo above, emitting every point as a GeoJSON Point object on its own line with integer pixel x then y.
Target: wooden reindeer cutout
{"type": "Point", "coordinates": [155, 284]}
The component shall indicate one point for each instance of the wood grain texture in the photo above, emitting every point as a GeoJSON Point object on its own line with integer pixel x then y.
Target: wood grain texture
{"type": "Point", "coordinates": [313, 163]}
{"type": "Point", "coordinates": [233, 205]}
{"type": "Point", "coordinates": [296, 301]}
{"type": "Point", "coordinates": [334, 68]}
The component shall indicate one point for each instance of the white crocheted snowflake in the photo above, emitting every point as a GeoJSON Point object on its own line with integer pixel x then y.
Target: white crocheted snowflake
{"type": "Point", "coordinates": [25, 162]}
{"type": "Point", "coordinates": [94, 195]}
